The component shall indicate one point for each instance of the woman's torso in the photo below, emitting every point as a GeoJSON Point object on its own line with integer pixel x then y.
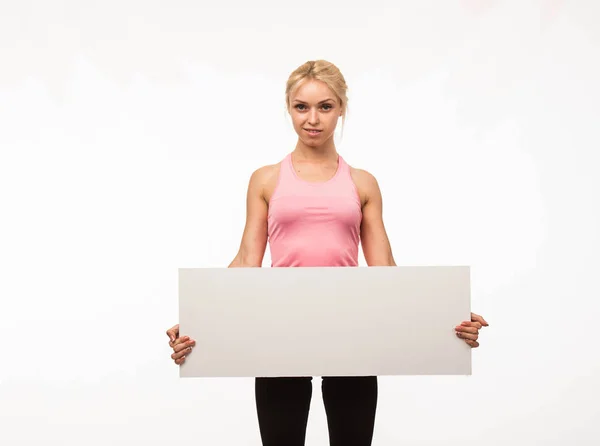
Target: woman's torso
{"type": "Point", "coordinates": [314, 214]}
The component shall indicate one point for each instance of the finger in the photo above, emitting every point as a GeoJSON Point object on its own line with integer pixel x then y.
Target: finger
{"type": "Point", "coordinates": [471, 324]}
{"type": "Point", "coordinates": [474, 330]}
{"type": "Point", "coordinates": [470, 336]}
{"type": "Point", "coordinates": [178, 341]}
{"type": "Point", "coordinates": [183, 344]}
{"type": "Point", "coordinates": [473, 344]}
{"type": "Point", "coordinates": [181, 352]}
{"type": "Point", "coordinates": [478, 318]}
{"type": "Point", "coordinates": [173, 332]}
{"type": "Point", "coordinates": [180, 360]}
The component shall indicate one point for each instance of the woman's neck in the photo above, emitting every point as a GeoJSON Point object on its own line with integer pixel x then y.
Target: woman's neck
{"type": "Point", "coordinates": [325, 151]}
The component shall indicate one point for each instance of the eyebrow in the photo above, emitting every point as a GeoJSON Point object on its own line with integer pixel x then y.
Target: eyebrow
{"type": "Point", "coordinates": [325, 100]}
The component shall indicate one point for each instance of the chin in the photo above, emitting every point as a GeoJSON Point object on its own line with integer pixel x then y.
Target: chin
{"type": "Point", "coordinates": [312, 143]}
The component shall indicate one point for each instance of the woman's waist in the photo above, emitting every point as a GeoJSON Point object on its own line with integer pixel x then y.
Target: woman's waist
{"type": "Point", "coordinates": [330, 253]}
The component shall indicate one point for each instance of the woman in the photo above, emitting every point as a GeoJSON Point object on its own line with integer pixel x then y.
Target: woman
{"type": "Point", "coordinates": [314, 209]}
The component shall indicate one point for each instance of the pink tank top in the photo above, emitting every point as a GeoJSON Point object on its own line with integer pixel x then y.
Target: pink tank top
{"type": "Point", "coordinates": [314, 224]}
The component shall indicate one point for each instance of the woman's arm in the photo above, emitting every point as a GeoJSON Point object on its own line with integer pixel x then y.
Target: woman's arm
{"type": "Point", "coordinates": [254, 238]}
{"type": "Point", "coordinates": [375, 243]}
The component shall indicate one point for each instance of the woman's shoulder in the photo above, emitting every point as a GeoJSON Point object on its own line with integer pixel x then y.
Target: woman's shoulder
{"type": "Point", "coordinates": [365, 183]}
{"type": "Point", "coordinates": [362, 177]}
{"type": "Point", "coordinates": [264, 179]}
{"type": "Point", "coordinates": [266, 173]}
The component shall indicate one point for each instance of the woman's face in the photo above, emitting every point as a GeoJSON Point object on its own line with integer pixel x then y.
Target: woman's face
{"type": "Point", "coordinates": [314, 106]}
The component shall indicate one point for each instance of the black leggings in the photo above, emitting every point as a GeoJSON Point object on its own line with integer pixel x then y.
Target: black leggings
{"type": "Point", "coordinates": [282, 405]}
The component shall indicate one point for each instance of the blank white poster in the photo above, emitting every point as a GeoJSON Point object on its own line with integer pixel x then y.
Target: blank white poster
{"type": "Point", "coordinates": [250, 322]}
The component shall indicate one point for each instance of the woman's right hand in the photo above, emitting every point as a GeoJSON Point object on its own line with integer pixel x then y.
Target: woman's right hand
{"type": "Point", "coordinates": [182, 346]}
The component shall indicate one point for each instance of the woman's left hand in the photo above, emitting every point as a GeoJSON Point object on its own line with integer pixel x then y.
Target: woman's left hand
{"type": "Point", "coordinates": [469, 330]}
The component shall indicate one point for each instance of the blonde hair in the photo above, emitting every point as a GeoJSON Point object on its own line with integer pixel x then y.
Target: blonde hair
{"type": "Point", "coordinates": [320, 70]}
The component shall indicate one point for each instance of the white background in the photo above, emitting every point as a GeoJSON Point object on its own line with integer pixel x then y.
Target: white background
{"type": "Point", "coordinates": [128, 133]}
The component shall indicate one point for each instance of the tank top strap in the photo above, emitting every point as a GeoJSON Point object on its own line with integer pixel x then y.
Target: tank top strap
{"type": "Point", "coordinates": [286, 171]}
{"type": "Point", "coordinates": [286, 180]}
{"type": "Point", "coordinates": [343, 167]}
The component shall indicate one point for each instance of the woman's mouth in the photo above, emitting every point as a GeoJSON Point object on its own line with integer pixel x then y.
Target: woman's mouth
{"type": "Point", "coordinates": [313, 132]}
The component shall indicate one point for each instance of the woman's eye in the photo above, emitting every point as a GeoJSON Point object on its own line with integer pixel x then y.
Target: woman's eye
{"type": "Point", "coordinates": [303, 107]}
